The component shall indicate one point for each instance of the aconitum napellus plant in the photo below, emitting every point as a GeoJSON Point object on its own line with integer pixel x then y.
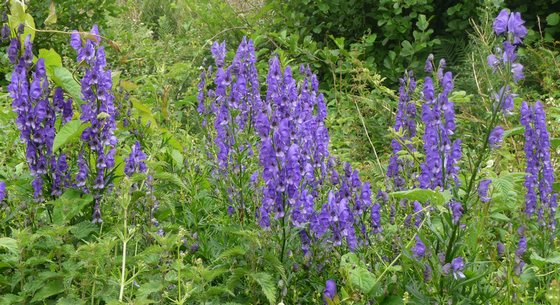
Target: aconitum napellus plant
{"type": "Point", "coordinates": [37, 114]}
{"type": "Point", "coordinates": [97, 160]}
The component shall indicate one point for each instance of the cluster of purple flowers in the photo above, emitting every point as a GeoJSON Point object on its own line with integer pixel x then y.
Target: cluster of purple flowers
{"type": "Point", "coordinates": [504, 59]}
{"type": "Point", "coordinates": [134, 163]}
{"type": "Point", "coordinates": [99, 111]}
{"type": "Point", "coordinates": [539, 171]}
{"type": "Point", "coordinates": [438, 115]}
{"type": "Point", "coordinates": [232, 101]}
{"type": "Point", "coordinates": [405, 123]}
{"type": "Point", "coordinates": [293, 145]}
{"type": "Point", "coordinates": [36, 118]}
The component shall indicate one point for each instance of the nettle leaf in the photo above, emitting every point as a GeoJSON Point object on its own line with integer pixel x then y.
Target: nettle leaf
{"type": "Point", "coordinates": [541, 261]}
{"type": "Point", "coordinates": [420, 195]}
{"type": "Point", "coordinates": [358, 275]}
{"type": "Point", "coordinates": [266, 282]}
{"type": "Point", "coordinates": [9, 244]}
{"type": "Point", "coordinates": [69, 133]}
{"type": "Point", "coordinates": [70, 204]}
{"type": "Point", "coordinates": [62, 77]}
{"type": "Point", "coordinates": [52, 287]}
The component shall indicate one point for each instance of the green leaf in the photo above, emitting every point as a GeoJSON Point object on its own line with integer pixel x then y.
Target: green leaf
{"type": "Point", "coordinates": [69, 133]}
{"type": "Point", "coordinates": [422, 23]}
{"type": "Point", "coordinates": [63, 78]}
{"type": "Point", "coordinates": [51, 19]}
{"type": "Point", "coordinates": [358, 275]}
{"type": "Point", "coordinates": [420, 195]}
{"type": "Point", "coordinates": [70, 204]}
{"type": "Point", "coordinates": [52, 60]}
{"type": "Point", "coordinates": [514, 131]}
{"type": "Point", "coordinates": [553, 259]}
{"type": "Point", "coordinates": [52, 287]}
{"type": "Point", "coordinates": [553, 19]}
{"type": "Point", "coordinates": [171, 178]}
{"type": "Point", "coordinates": [267, 285]}
{"type": "Point", "coordinates": [19, 16]}
{"type": "Point", "coordinates": [9, 244]}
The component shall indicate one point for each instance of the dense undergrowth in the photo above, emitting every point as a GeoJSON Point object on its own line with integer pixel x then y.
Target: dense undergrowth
{"type": "Point", "coordinates": [279, 152]}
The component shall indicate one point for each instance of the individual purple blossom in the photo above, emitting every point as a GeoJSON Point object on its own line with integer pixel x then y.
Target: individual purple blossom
{"type": "Point", "coordinates": [483, 186]}
{"type": "Point", "coordinates": [500, 248]}
{"type": "Point", "coordinates": [519, 252]}
{"type": "Point", "coordinates": [500, 24]}
{"type": "Point", "coordinates": [456, 209]}
{"type": "Point", "coordinates": [330, 290]}
{"type": "Point", "coordinates": [429, 66]}
{"type": "Point", "coordinates": [427, 273]}
{"type": "Point", "coordinates": [419, 249]}
{"type": "Point", "coordinates": [496, 136]}
{"type": "Point", "coordinates": [456, 268]}
{"type": "Point", "coordinates": [516, 28]}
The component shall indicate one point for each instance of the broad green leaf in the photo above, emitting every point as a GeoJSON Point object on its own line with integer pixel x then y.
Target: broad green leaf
{"type": "Point", "coordinates": [420, 195]}
{"type": "Point", "coordinates": [19, 16]}
{"type": "Point", "coordinates": [552, 259]}
{"type": "Point", "coordinates": [514, 131]}
{"type": "Point", "coordinates": [553, 19]}
{"type": "Point", "coordinates": [358, 275]}
{"type": "Point", "coordinates": [63, 78]}
{"type": "Point", "coordinates": [9, 244]}
{"type": "Point", "coordinates": [70, 132]}
{"type": "Point", "coordinates": [267, 285]}
{"type": "Point", "coordinates": [52, 287]}
{"type": "Point", "coordinates": [70, 204]}
{"type": "Point", "coordinates": [52, 60]}
{"type": "Point", "coordinates": [171, 178]}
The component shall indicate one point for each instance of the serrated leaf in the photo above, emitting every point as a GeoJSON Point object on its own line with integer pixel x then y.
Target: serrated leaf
{"type": "Point", "coordinates": [421, 195]}
{"type": "Point", "coordinates": [9, 244]}
{"type": "Point", "coordinates": [266, 282]}
{"type": "Point", "coordinates": [63, 78]}
{"type": "Point", "coordinates": [52, 287]}
{"type": "Point", "coordinates": [69, 133]}
{"type": "Point", "coordinates": [70, 204]}
{"type": "Point", "coordinates": [171, 178]}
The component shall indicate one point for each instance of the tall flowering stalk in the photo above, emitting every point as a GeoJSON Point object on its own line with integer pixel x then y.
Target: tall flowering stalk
{"type": "Point", "coordinates": [405, 123]}
{"type": "Point", "coordinates": [231, 102]}
{"type": "Point", "coordinates": [539, 177]}
{"type": "Point", "coordinates": [37, 114]}
{"type": "Point", "coordinates": [442, 153]}
{"type": "Point", "coordinates": [97, 160]}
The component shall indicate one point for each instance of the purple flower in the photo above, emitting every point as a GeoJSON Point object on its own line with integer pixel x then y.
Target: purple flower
{"type": "Point", "coordinates": [135, 161]}
{"type": "Point", "coordinates": [330, 290]}
{"type": "Point", "coordinates": [517, 72]}
{"type": "Point", "coordinates": [2, 191]}
{"type": "Point", "coordinates": [501, 22]}
{"type": "Point", "coordinates": [419, 249]}
{"type": "Point", "coordinates": [456, 267]}
{"type": "Point", "coordinates": [427, 273]}
{"type": "Point", "coordinates": [429, 67]}
{"type": "Point", "coordinates": [496, 136]}
{"type": "Point", "coordinates": [501, 249]}
{"type": "Point", "coordinates": [483, 190]}
{"type": "Point", "coordinates": [516, 28]}
{"type": "Point", "coordinates": [456, 211]}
